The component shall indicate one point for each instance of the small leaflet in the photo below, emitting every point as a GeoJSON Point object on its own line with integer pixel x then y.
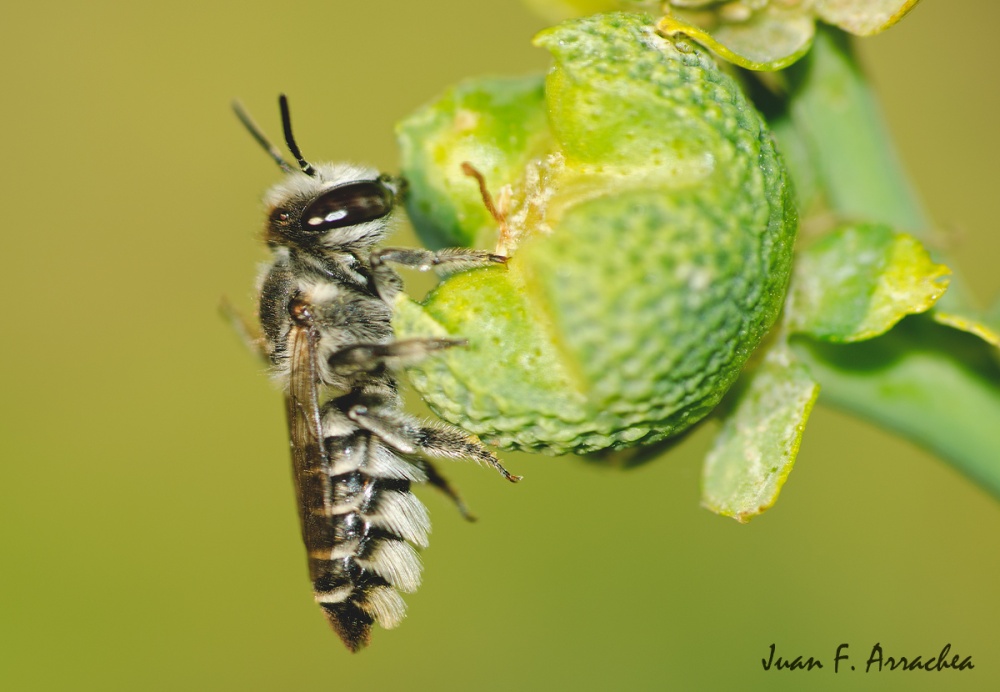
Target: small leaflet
{"type": "Point", "coordinates": [755, 450]}
{"type": "Point", "coordinates": [958, 314]}
{"type": "Point", "coordinates": [767, 41]}
{"type": "Point", "coordinates": [863, 17]}
{"type": "Point", "coordinates": [858, 281]}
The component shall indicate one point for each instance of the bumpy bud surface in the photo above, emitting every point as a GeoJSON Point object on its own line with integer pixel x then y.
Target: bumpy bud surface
{"type": "Point", "coordinates": [650, 243]}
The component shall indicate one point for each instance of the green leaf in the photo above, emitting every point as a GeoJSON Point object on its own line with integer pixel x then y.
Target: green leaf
{"type": "Point", "coordinates": [755, 450]}
{"type": "Point", "coordinates": [860, 280]}
{"type": "Point", "coordinates": [985, 326]}
{"type": "Point", "coordinates": [770, 39]}
{"type": "Point", "coordinates": [863, 17]}
{"type": "Point", "coordinates": [960, 310]}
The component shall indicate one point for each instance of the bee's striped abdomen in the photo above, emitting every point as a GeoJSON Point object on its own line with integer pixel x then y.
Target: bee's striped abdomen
{"type": "Point", "coordinates": [362, 517]}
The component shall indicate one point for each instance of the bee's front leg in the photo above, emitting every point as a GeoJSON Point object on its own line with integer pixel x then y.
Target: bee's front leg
{"type": "Point", "coordinates": [358, 358]}
{"type": "Point", "coordinates": [446, 261]}
{"type": "Point", "coordinates": [443, 262]}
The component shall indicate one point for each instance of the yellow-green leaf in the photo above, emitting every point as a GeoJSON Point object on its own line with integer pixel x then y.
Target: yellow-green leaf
{"type": "Point", "coordinates": [985, 326]}
{"type": "Point", "coordinates": [863, 17]}
{"type": "Point", "coordinates": [755, 450]}
{"type": "Point", "coordinates": [768, 40]}
{"type": "Point", "coordinates": [859, 281]}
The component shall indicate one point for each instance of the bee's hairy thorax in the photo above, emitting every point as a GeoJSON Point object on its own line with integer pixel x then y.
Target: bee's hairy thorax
{"type": "Point", "coordinates": [356, 508]}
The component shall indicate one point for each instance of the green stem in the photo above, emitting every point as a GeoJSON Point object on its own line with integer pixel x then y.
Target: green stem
{"type": "Point", "coordinates": [836, 114]}
{"type": "Point", "coordinates": [935, 386]}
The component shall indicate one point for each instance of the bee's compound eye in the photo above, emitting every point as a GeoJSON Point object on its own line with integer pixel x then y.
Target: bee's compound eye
{"type": "Point", "coordinates": [347, 205]}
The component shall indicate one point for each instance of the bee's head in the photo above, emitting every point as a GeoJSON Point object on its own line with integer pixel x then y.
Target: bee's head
{"type": "Point", "coordinates": [323, 206]}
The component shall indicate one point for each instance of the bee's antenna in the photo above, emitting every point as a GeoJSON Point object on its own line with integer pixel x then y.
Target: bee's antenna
{"type": "Point", "coordinates": [258, 135]}
{"type": "Point", "coordinates": [286, 123]}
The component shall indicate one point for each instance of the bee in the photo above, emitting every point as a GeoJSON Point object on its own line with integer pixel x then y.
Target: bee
{"type": "Point", "coordinates": [325, 310]}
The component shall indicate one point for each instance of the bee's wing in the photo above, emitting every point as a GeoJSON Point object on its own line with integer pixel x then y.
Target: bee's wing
{"type": "Point", "coordinates": [311, 468]}
{"type": "Point", "coordinates": [309, 462]}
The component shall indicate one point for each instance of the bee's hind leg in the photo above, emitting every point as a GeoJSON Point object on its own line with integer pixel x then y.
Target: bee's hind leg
{"type": "Point", "coordinates": [398, 430]}
{"type": "Point", "coordinates": [435, 478]}
{"type": "Point", "coordinates": [446, 442]}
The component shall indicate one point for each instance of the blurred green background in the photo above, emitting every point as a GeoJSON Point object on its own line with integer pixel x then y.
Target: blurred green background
{"type": "Point", "coordinates": [147, 526]}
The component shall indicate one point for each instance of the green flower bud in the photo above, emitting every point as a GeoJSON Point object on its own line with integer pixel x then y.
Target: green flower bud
{"type": "Point", "coordinates": [650, 241]}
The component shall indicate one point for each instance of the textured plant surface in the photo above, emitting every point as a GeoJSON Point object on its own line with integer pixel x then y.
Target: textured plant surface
{"type": "Point", "coordinates": [650, 242]}
{"type": "Point", "coordinates": [649, 224]}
